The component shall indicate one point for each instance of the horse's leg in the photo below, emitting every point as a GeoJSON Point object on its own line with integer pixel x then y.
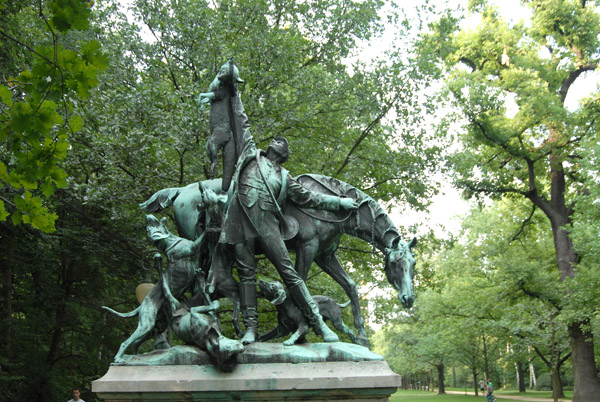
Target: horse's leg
{"type": "Point", "coordinates": [331, 265]}
{"type": "Point", "coordinates": [305, 255]}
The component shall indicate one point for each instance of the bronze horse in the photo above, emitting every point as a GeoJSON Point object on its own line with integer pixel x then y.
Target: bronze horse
{"type": "Point", "coordinates": [318, 237]}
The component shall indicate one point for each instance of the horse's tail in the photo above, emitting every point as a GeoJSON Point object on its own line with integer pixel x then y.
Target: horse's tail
{"type": "Point", "coordinates": [344, 305]}
{"type": "Point", "coordinates": [161, 199]}
{"type": "Point", "coordinates": [124, 315]}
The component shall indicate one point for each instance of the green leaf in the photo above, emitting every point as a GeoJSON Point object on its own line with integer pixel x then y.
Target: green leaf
{"type": "Point", "coordinates": [76, 123]}
{"type": "Point", "coordinates": [16, 218]}
{"type": "Point", "coordinates": [47, 188]}
{"type": "Point", "coordinates": [70, 14]}
{"type": "Point", "coordinates": [6, 95]}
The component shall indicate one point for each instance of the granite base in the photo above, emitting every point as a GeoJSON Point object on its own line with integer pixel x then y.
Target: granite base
{"type": "Point", "coordinates": [357, 381]}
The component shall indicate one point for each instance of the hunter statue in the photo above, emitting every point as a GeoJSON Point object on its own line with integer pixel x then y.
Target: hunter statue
{"type": "Point", "coordinates": [255, 208]}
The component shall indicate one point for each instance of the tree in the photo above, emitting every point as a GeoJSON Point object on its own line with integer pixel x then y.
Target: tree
{"type": "Point", "coordinates": [297, 85]}
{"type": "Point", "coordinates": [140, 130]}
{"type": "Point", "coordinates": [494, 290]}
{"type": "Point", "coordinates": [535, 152]}
{"type": "Point", "coordinates": [43, 74]}
{"type": "Point", "coordinates": [517, 300]}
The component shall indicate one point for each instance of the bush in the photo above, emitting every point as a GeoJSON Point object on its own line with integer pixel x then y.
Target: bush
{"type": "Point", "coordinates": [544, 382]}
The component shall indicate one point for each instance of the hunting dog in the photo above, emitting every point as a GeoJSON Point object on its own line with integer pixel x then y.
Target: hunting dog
{"type": "Point", "coordinates": [181, 272]}
{"type": "Point", "coordinates": [290, 318]}
{"type": "Point", "coordinates": [200, 326]}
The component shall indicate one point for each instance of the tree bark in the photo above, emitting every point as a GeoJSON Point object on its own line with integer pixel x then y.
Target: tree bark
{"type": "Point", "coordinates": [585, 375]}
{"type": "Point", "coordinates": [60, 314]}
{"type": "Point", "coordinates": [6, 304]}
{"type": "Point", "coordinates": [532, 377]}
{"type": "Point", "coordinates": [431, 381]}
{"type": "Point", "coordinates": [557, 388]}
{"type": "Point", "coordinates": [520, 377]}
{"type": "Point", "coordinates": [486, 366]}
{"type": "Point", "coordinates": [440, 371]}
{"type": "Point", "coordinates": [453, 377]}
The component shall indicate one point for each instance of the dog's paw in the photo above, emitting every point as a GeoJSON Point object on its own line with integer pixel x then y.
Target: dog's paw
{"type": "Point", "coordinates": [119, 360]}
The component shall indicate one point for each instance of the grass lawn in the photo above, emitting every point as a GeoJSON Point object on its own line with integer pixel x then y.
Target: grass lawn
{"type": "Point", "coordinates": [537, 394]}
{"type": "Point", "coordinates": [512, 391]}
{"type": "Point", "coordinates": [426, 396]}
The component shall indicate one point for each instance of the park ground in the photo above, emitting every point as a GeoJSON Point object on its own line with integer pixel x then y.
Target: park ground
{"type": "Point", "coordinates": [454, 395]}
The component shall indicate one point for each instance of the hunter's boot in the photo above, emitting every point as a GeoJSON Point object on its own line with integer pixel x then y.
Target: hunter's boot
{"type": "Point", "coordinates": [249, 312]}
{"type": "Point", "coordinates": [310, 309]}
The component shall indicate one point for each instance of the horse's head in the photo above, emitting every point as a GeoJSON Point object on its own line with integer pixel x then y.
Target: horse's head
{"type": "Point", "coordinates": [400, 269]}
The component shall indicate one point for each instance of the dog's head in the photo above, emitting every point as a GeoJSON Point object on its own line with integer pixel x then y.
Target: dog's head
{"type": "Point", "coordinates": [157, 231]}
{"type": "Point", "coordinates": [272, 291]}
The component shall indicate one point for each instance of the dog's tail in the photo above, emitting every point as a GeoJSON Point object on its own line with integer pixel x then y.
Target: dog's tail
{"type": "Point", "coordinates": [161, 199]}
{"type": "Point", "coordinates": [344, 305]}
{"type": "Point", "coordinates": [124, 315]}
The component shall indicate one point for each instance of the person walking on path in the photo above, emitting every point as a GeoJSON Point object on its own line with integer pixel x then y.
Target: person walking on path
{"type": "Point", "coordinates": [490, 390]}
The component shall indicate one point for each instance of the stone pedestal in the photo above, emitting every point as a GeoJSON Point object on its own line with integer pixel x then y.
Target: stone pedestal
{"type": "Point", "coordinates": [332, 377]}
{"type": "Point", "coordinates": [323, 381]}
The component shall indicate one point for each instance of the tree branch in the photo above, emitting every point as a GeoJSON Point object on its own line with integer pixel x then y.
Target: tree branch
{"type": "Point", "coordinates": [124, 169]}
{"type": "Point", "coordinates": [523, 224]}
{"type": "Point", "coordinates": [365, 133]}
{"type": "Point", "coordinates": [539, 353]}
{"type": "Point", "coordinates": [469, 63]}
{"type": "Point", "coordinates": [564, 89]}
{"type": "Point", "coordinates": [564, 359]}
{"type": "Point", "coordinates": [539, 296]}
{"type": "Point", "coordinates": [507, 190]}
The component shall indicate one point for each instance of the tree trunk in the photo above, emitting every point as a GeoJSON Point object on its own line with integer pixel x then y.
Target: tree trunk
{"type": "Point", "coordinates": [585, 376]}
{"type": "Point", "coordinates": [532, 377]}
{"type": "Point", "coordinates": [440, 372]}
{"type": "Point", "coordinates": [431, 381]}
{"type": "Point", "coordinates": [5, 319]}
{"type": "Point", "coordinates": [453, 377]}
{"type": "Point", "coordinates": [520, 376]}
{"type": "Point", "coordinates": [60, 315]}
{"type": "Point", "coordinates": [557, 388]}
{"type": "Point", "coordinates": [474, 372]}
{"type": "Point", "coordinates": [486, 367]}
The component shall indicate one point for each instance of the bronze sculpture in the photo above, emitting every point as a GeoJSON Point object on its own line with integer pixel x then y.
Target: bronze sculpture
{"type": "Point", "coordinates": [256, 207]}
{"type": "Point", "coordinates": [229, 125]}
{"type": "Point", "coordinates": [369, 222]}
{"type": "Point", "coordinates": [262, 186]}
{"type": "Point", "coordinates": [290, 318]}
